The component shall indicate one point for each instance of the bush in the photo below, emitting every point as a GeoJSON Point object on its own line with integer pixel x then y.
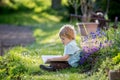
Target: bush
{"type": "Point", "coordinates": [116, 59]}
{"type": "Point", "coordinates": [11, 67]}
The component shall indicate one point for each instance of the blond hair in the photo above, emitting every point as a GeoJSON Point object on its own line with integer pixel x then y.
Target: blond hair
{"type": "Point", "coordinates": [67, 31]}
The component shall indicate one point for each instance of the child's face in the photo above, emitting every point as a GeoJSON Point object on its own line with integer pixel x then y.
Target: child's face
{"type": "Point", "coordinates": [65, 40]}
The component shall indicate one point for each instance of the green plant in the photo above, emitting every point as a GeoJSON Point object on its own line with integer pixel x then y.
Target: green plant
{"type": "Point", "coordinates": [11, 67]}
{"type": "Point", "coordinates": [116, 59]}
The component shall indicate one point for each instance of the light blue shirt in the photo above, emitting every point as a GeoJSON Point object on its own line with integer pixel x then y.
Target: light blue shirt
{"type": "Point", "coordinates": [73, 51]}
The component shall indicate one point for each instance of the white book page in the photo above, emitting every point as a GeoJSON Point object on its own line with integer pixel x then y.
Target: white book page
{"type": "Point", "coordinates": [45, 57]}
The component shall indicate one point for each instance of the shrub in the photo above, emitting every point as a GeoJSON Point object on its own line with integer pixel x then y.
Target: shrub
{"type": "Point", "coordinates": [11, 67]}
{"type": "Point", "coordinates": [116, 59]}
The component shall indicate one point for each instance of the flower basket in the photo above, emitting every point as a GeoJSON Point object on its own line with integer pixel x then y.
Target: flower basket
{"type": "Point", "coordinates": [89, 42]}
{"type": "Point", "coordinates": [86, 28]}
{"type": "Point", "coordinates": [92, 37]}
{"type": "Point", "coordinates": [93, 40]}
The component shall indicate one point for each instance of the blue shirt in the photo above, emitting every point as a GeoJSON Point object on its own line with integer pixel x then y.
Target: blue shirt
{"type": "Point", "coordinates": [73, 51]}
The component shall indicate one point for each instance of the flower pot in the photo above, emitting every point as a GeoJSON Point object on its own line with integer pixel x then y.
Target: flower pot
{"type": "Point", "coordinates": [86, 28]}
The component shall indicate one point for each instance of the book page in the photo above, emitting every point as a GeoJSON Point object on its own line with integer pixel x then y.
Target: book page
{"type": "Point", "coordinates": [45, 57]}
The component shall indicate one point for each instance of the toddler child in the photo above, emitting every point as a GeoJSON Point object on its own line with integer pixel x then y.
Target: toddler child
{"type": "Point", "coordinates": [71, 54]}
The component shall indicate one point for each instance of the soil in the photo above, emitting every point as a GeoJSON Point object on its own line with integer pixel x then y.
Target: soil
{"type": "Point", "coordinates": [11, 35]}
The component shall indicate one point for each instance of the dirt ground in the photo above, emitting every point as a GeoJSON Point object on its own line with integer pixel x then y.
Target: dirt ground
{"type": "Point", "coordinates": [11, 36]}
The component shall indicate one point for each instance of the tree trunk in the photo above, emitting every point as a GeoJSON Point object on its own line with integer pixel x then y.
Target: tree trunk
{"type": "Point", "coordinates": [86, 9]}
{"type": "Point", "coordinates": [56, 4]}
{"type": "Point", "coordinates": [1, 3]}
{"type": "Point", "coordinates": [1, 47]}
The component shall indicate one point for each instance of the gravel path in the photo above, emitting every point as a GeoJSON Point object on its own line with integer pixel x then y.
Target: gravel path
{"type": "Point", "coordinates": [14, 35]}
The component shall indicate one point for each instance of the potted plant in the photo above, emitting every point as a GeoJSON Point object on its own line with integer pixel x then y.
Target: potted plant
{"type": "Point", "coordinates": [86, 10]}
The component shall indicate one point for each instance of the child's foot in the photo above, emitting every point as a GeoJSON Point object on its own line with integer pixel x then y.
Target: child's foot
{"type": "Point", "coordinates": [47, 68]}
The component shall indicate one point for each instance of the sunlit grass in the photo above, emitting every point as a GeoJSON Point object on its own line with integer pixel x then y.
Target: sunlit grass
{"type": "Point", "coordinates": [52, 17]}
{"type": "Point", "coordinates": [28, 18]}
{"type": "Point", "coordinates": [46, 18]}
{"type": "Point", "coordinates": [38, 32]}
{"type": "Point", "coordinates": [37, 5]}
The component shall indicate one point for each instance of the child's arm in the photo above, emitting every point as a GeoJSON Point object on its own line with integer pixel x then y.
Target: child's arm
{"type": "Point", "coordinates": [62, 58]}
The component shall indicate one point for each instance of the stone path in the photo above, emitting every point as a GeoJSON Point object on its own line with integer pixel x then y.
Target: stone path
{"type": "Point", "coordinates": [11, 35]}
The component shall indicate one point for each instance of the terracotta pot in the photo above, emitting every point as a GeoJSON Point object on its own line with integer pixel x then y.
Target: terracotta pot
{"type": "Point", "coordinates": [86, 28]}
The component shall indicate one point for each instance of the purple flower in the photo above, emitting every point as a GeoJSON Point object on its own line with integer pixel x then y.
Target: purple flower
{"type": "Point", "coordinates": [85, 38]}
{"type": "Point", "coordinates": [103, 34]}
{"type": "Point", "coordinates": [82, 60]}
{"type": "Point", "coordinates": [99, 35]}
{"type": "Point", "coordinates": [106, 41]}
{"type": "Point", "coordinates": [93, 36]}
{"type": "Point", "coordinates": [95, 45]}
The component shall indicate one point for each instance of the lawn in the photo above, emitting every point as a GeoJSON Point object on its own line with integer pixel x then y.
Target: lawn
{"type": "Point", "coordinates": [22, 63]}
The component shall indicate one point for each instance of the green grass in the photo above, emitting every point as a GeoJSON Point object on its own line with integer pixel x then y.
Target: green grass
{"type": "Point", "coordinates": [25, 61]}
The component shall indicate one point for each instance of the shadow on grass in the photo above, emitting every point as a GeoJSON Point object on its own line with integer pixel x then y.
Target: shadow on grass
{"type": "Point", "coordinates": [38, 73]}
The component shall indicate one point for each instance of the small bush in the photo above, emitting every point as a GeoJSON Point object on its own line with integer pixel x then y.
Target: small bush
{"type": "Point", "coordinates": [116, 59]}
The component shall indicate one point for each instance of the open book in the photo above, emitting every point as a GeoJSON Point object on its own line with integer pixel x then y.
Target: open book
{"type": "Point", "coordinates": [45, 57]}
